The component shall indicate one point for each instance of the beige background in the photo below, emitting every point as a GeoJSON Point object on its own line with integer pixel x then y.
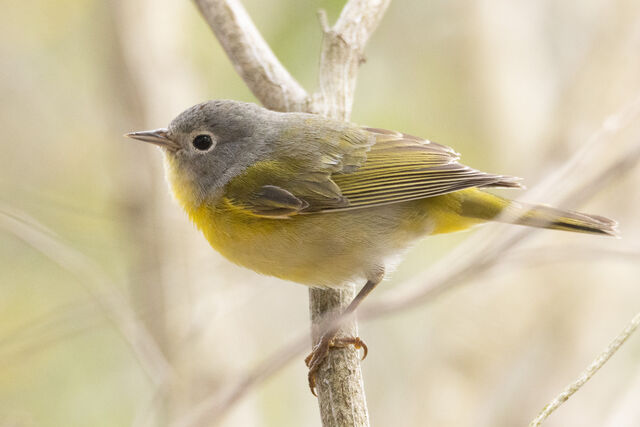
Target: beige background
{"type": "Point", "coordinates": [130, 318]}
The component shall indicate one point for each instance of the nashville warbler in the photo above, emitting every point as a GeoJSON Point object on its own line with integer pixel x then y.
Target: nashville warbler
{"type": "Point", "coordinates": [324, 202]}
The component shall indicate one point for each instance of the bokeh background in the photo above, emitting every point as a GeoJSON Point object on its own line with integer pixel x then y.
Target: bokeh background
{"type": "Point", "coordinates": [115, 312]}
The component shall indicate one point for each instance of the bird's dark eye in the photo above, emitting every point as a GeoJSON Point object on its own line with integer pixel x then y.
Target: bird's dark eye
{"type": "Point", "coordinates": [202, 142]}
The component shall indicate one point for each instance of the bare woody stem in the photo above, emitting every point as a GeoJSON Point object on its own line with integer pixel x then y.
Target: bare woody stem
{"type": "Point", "coordinates": [342, 53]}
{"type": "Point", "coordinates": [252, 58]}
{"type": "Point", "coordinates": [339, 383]}
{"type": "Point", "coordinates": [340, 388]}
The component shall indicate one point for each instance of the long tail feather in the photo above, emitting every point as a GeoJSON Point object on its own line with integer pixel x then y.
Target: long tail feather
{"type": "Point", "coordinates": [559, 219]}
{"type": "Point", "coordinates": [485, 206]}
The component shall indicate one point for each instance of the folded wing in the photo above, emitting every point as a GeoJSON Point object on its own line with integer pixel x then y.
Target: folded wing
{"type": "Point", "coordinates": [401, 167]}
{"type": "Point", "coordinates": [355, 169]}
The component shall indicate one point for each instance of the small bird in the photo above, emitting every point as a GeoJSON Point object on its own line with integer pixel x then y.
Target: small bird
{"type": "Point", "coordinates": [327, 203]}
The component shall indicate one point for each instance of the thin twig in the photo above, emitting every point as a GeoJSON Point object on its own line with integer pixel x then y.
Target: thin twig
{"type": "Point", "coordinates": [588, 373]}
{"type": "Point", "coordinates": [213, 408]}
{"type": "Point", "coordinates": [104, 292]}
{"type": "Point", "coordinates": [251, 56]}
{"type": "Point", "coordinates": [563, 254]}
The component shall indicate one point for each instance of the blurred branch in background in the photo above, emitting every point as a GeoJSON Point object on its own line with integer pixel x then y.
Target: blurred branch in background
{"type": "Point", "coordinates": [560, 254]}
{"type": "Point", "coordinates": [104, 293]}
{"type": "Point", "coordinates": [211, 410]}
{"type": "Point", "coordinates": [575, 182]}
{"type": "Point", "coordinates": [147, 51]}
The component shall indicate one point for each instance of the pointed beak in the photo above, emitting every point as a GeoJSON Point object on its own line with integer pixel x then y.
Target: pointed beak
{"type": "Point", "coordinates": [158, 137]}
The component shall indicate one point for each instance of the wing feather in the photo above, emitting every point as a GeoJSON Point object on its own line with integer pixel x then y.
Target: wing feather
{"type": "Point", "coordinates": [352, 168]}
{"type": "Point", "coordinates": [401, 167]}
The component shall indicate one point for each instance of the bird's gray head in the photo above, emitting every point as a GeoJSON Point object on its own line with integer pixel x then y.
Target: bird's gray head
{"type": "Point", "coordinates": [210, 143]}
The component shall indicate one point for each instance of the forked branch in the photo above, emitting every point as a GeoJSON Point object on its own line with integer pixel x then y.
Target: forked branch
{"type": "Point", "coordinates": [340, 389]}
{"type": "Point", "coordinates": [342, 53]}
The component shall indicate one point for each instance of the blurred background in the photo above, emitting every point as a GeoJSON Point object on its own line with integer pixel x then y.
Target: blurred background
{"type": "Point", "coordinates": [115, 312]}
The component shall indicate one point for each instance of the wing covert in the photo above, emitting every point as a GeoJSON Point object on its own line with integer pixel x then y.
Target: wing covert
{"type": "Point", "coordinates": [351, 168]}
{"type": "Point", "coordinates": [401, 167]}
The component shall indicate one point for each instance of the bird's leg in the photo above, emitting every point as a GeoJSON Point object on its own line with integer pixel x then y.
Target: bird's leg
{"type": "Point", "coordinates": [328, 340]}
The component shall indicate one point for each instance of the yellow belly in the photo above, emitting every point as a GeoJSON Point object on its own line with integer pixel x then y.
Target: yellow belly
{"type": "Point", "coordinates": [323, 249]}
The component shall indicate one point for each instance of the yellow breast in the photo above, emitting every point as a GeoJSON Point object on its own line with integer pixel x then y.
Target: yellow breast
{"type": "Point", "coordinates": [323, 249]}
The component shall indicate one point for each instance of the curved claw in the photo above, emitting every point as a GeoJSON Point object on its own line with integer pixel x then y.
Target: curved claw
{"type": "Point", "coordinates": [312, 382]}
{"type": "Point", "coordinates": [320, 352]}
{"type": "Point", "coordinates": [365, 351]}
{"type": "Point", "coordinates": [359, 344]}
{"type": "Point", "coordinates": [315, 359]}
{"type": "Point", "coordinates": [356, 342]}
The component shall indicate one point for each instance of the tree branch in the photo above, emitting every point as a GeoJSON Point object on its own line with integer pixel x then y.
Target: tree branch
{"type": "Point", "coordinates": [340, 388]}
{"type": "Point", "coordinates": [339, 383]}
{"type": "Point", "coordinates": [252, 58]}
{"type": "Point", "coordinates": [342, 53]}
{"type": "Point", "coordinates": [588, 373]}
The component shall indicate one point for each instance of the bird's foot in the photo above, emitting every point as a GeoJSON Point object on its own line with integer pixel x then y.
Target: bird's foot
{"type": "Point", "coordinates": [320, 352]}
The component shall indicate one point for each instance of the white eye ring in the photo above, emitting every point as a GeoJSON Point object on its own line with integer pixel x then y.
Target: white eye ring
{"type": "Point", "coordinates": [202, 141]}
